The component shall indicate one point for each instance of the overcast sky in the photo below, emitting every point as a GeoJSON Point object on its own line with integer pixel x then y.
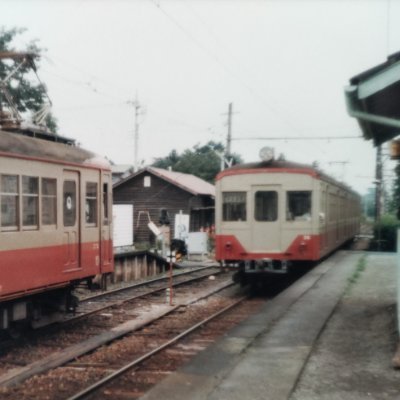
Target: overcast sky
{"type": "Point", "coordinates": [283, 64]}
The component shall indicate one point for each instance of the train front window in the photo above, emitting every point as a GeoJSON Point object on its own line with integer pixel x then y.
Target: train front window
{"type": "Point", "coordinates": [91, 203]}
{"type": "Point", "coordinates": [266, 206]}
{"type": "Point", "coordinates": [234, 206]}
{"type": "Point", "coordinates": [49, 201]}
{"type": "Point", "coordinates": [9, 200]}
{"type": "Point", "coordinates": [298, 205]}
{"type": "Point", "coordinates": [30, 201]}
{"type": "Point", "coordinates": [69, 203]}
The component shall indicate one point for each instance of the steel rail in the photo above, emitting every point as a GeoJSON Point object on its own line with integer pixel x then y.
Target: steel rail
{"type": "Point", "coordinates": [143, 283]}
{"type": "Point", "coordinates": [94, 387]}
{"type": "Point", "coordinates": [136, 296]}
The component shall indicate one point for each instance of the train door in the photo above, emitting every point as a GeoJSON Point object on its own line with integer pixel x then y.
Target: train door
{"type": "Point", "coordinates": [266, 232]}
{"type": "Point", "coordinates": [70, 188]}
{"type": "Point", "coordinates": [106, 253]}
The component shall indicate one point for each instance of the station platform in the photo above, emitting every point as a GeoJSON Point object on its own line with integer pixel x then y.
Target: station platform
{"type": "Point", "coordinates": [331, 335]}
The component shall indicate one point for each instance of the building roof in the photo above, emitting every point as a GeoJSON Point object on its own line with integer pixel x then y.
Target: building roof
{"type": "Point", "coordinates": [373, 97]}
{"type": "Point", "coordinates": [187, 182]}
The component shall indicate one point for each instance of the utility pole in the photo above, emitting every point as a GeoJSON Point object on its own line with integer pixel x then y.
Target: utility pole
{"type": "Point", "coordinates": [229, 136]}
{"type": "Point", "coordinates": [137, 107]}
{"type": "Point", "coordinates": [228, 148]}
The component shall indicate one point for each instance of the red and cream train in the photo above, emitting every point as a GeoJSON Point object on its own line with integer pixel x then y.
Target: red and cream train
{"type": "Point", "coordinates": [274, 213]}
{"type": "Point", "coordinates": [55, 225]}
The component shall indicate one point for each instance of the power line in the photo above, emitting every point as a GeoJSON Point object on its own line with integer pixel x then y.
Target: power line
{"type": "Point", "coordinates": [250, 89]}
{"type": "Point", "coordinates": [298, 138]}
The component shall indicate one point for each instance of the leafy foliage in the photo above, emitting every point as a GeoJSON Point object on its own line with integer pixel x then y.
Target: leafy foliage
{"type": "Point", "coordinates": [202, 161]}
{"type": "Point", "coordinates": [385, 233]}
{"type": "Point", "coordinates": [27, 93]}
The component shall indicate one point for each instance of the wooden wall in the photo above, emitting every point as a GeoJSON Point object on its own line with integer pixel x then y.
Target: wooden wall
{"type": "Point", "coordinates": [159, 195]}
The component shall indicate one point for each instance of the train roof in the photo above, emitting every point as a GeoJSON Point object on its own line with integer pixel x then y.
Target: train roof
{"type": "Point", "coordinates": [18, 145]}
{"type": "Point", "coordinates": [280, 166]}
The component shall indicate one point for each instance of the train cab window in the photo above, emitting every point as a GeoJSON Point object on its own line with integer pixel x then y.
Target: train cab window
{"type": "Point", "coordinates": [298, 206]}
{"type": "Point", "coordinates": [69, 203]}
{"type": "Point", "coordinates": [49, 201]}
{"type": "Point", "coordinates": [91, 203]}
{"type": "Point", "coordinates": [105, 204]}
{"type": "Point", "coordinates": [234, 206]}
{"type": "Point", "coordinates": [9, 200]}
{"type": "Point", "coordinates": [30, 201]}
{"type": "Point", "coordinates": [266, 206]}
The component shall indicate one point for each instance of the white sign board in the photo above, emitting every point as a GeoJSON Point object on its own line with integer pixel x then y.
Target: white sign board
{"type": "Point", "coordinates": [181, 230]}
{"type": "Point", "coordinates": [123, 224]}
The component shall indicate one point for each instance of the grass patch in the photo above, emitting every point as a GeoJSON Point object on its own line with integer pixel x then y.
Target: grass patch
{"type": "Point", "coordinates": [362, 262]}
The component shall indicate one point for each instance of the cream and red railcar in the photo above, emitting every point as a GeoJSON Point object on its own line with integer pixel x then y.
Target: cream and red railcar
{"type": "Point", "coordinates": [55, 225]}
{"type": "Point", "coordinates": [270, 215]}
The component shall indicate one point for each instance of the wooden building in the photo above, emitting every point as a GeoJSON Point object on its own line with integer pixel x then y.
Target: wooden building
{"type": "Point", "coordinates": [158, 196]}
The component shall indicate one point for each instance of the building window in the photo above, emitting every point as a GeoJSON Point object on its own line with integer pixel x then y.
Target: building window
{"type": "Point", "coordinates": [49, 201]}
{"type": "Point", "coordinates": [9, 200]}
{"type": "Point", "coordinates": [147, 181]}
{"type": "Point", "coordinates": [69, 203]}
{"type": "Point", "coordinates": [266, 206]}
{"type": "Point", "coordinates": [91, 203]}
{"type": "Point", "coordinates": [298, 206]}
{"type": "Point", "coordinates": [234, 206]}
{"type": "Point", "coordinates": [30, 201]}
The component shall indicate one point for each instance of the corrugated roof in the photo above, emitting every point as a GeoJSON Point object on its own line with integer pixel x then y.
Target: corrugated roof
{"type": "Point", "coordinates": [187, 182]}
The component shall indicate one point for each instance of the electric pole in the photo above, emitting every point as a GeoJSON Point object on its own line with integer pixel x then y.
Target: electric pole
{"type": "Point", "coordinates": [229, 136]}
{"type": "Point", "coordinates": [137, 107]}
{"type": "Point", "coordinates": [228, 147]}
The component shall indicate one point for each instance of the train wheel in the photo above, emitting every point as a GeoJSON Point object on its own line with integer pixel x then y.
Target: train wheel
{"type": "Point", "coordinates": [16, 329]}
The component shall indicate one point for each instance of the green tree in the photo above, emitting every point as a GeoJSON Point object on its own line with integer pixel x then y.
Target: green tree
{"type": "Point", "coordinates": [28, 94]}
{"type": "Point", "coordinates": [202, 161]}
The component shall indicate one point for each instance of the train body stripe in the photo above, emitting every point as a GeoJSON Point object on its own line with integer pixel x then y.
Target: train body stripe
{"type": "Point", "coordinates": [303, 247]}
{"type": "Point", "coordinates": [27, 271]}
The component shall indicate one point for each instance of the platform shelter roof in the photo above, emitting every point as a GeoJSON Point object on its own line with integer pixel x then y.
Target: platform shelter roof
{"type": "Point", "coordinates": [373, 97]}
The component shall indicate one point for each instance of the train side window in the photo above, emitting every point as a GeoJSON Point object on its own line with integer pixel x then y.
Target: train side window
{"type": "Point", "coordinates": [298, 206]}
{"type": "Point", "coordinates": [91, 203]}
{"type": "Point", "coordinates": [234, 206]}
{"type": "Point", "coordinates": [30, 201]}
{"type": "Point", "coordinates": [49, 201]}
{"type": "Point", "coordinates": [105, 204]}
{"type": "Point", "coordinates": [266, 206]}
{"type": "Point", "coordinates": [9, 200]}
{"type": "Point", "coordinates": [69, 203]}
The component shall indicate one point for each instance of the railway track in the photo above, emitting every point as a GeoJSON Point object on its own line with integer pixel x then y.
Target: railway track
{"type": "Point", "coordinates": [111, 380]}
{"type": "Point", "coordinates": [163, 335]}
{"type": "Point", "coordinates": [102, 301]}
{"type": "Point", "coordinates": [21, 363]}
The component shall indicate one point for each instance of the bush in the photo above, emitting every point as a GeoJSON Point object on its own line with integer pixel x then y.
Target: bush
{"type": "Point", "coordinates": [385, 233]}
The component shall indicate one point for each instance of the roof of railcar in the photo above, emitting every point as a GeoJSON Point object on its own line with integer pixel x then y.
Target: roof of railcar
{"type": "Point", "coordinates": [280, 166]}
{"type": "Point", "coordinates": [17, 145]}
